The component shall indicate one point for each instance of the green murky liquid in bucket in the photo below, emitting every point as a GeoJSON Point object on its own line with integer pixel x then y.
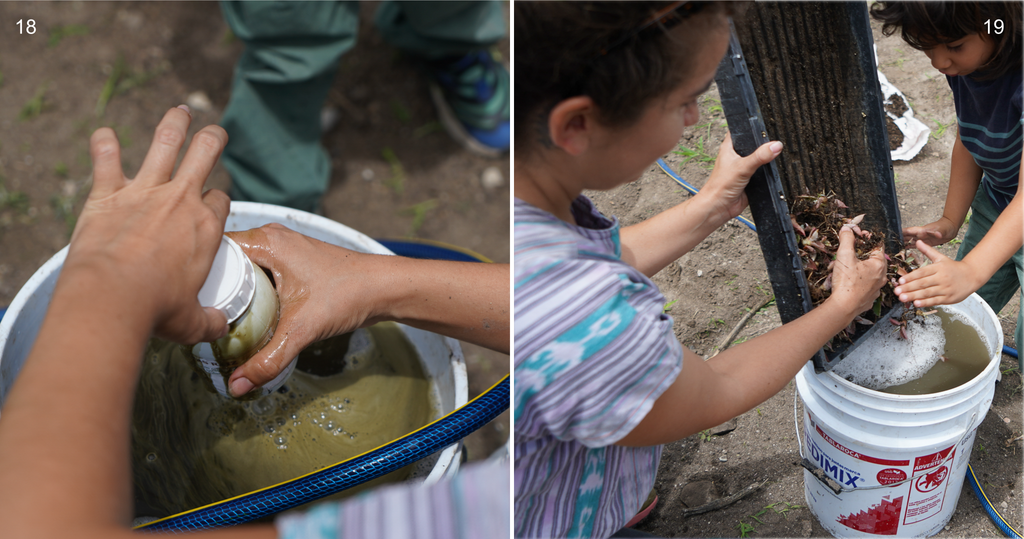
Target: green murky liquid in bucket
{"type": "Point", "coordinates": [966, 356]}
{"type": "Point", "coordinates": [192, 447]}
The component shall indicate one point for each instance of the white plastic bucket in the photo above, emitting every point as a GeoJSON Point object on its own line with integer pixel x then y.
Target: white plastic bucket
{"type": "Point", "coordinates": [442, 358]}
{"type": "Point", "coordinates": [901, 459]}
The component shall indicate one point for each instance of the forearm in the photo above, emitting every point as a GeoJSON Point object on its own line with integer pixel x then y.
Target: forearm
{"type": "Point", "coordinates": [468, 301]}
{"type": "Point", "coordinates": [1000, 242]}
{"type": "Point", "coordinates": [964, 179]}
{"type": "Point", "coordinates": [654, 243]}
{"type": "Point", "coordinates": [736, 380]}
{"type": "Point", "coordinates": [64, 429]}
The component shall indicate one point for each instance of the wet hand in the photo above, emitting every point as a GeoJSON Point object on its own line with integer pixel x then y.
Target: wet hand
{"type": "Point", "coordinates": [153, 238]}
{"type": "Point", "coordinates": [324, 290]}
{"type": "Point", "coordinates": [725, 188]}
{"type": "Point", "coordinates": [943, 282]}
{"type": "Point", "coordinates": [856, 283]}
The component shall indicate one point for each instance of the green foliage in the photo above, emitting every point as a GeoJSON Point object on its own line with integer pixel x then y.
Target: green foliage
{"type": "Point", "coordinates": [401, 111]}
{"type": "Point", "coordinates": [427, 129]}
{"type": "Point", "coordinates": [60, 169]}
{"type": "Point", "coordinates": [419, 214]}
{"type": "Point", "coordinates": [58, 33]}
{"type": "Point", "coordinates": [397, 180]}
{"type": "Point", "coordinates": [121, 80]}
{"type": "Point", "coordinates": [13, 200]}
{"type": "Point", "coordinates": [35, 106]}
{"type": "Point", "coordinates": [941, 128]}
{"type": "Point", "coordinates": [699, 153]}
{"type": "Point", "coordinates": [668, 306]}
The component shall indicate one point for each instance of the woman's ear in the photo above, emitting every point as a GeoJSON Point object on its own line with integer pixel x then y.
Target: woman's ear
{"type": "Point", "coordinates": [571, 124]}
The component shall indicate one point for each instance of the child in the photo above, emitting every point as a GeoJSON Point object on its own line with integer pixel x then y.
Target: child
{"type": "Point", "coordinates": [977, 46]}
{"type": "Point", "coordinates": [602, 90]}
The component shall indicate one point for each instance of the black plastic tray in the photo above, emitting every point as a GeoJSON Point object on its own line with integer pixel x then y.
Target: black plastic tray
{"type": "Point", "coordinates": [767, 192]}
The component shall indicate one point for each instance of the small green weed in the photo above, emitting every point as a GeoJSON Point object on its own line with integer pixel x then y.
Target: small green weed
{"type": "Point", "coordinates": [698, 154]}
{"type": "Point", "coordinates": [941, 128]}
{"type": "Point", "coordinates": [17, 201]}
{"type": "Point", "coordinates": [745, 529]}
{"type": "Point", "coordinates": [427, 129]}
{"type": "Point", "coordinates": [967, 219]}
{"type": "Point", "coordinates": [64, 208]}
{"type": "Point", "coordinates": [705, 435]}
{"type": "Point", "coordinates": [419, 214]}
{"type": "Point", "coordinates": [397, 180]}
{"type": "Point", "coordinates": [121, 80]}
{"type": "Point", "coordinates": [668, 306]}
{"type": "Point", "coordinates": [783, 508]}
{"type": "Point", "coordinates": [60, 169]}
{"type": "Point", "coordinates": [401, 111]}
{"type": "Point", "coordinates": [58, 33]}
{"type": "Point", "coordinates": [35, 106]}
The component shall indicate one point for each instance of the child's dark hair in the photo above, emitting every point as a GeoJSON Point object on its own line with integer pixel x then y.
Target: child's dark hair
{"type": "Point", "coordinates": [925, 25]}
{"type": "Point", "coordinates": [602, 50]}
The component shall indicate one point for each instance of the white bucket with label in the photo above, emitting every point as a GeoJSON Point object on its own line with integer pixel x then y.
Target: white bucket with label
{"type": "Point", "coordinates": [900, 460]}
{"type": "Point", "coordinates": [441, 357]}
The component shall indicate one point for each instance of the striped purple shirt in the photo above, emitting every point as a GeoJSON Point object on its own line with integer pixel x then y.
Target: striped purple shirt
{"type": "Point", "coordinates": [593, 352]}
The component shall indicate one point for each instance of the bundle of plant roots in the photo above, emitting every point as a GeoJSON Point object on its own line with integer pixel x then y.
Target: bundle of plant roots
{"type": "Point", "coordinates": [817, 220]}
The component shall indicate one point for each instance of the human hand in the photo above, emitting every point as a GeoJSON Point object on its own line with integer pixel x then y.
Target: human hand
{"type": "Point", "coordinates": [856, 283]}
{"type": "Point", "coordinates": [935, 233]}
{"type": "Point", "coordinates": [725, 188]}
{"type": "Point", "coordinates": [324, 290]}
{"type": "Point", "coordinates": [155, 236]}
{"type": "Point", "coordinates": [943, 282]}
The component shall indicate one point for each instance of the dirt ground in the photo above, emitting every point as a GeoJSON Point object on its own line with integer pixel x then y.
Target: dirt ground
{"type": "Point", "coordinates": [396, 174]}
{"type": "Point", "coordinates": [715, 285]}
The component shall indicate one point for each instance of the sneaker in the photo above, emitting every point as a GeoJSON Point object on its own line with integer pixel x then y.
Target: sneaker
{"type": "Point", "coordinates": [472, 94]}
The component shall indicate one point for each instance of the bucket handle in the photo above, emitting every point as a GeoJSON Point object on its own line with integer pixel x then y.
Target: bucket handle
{"type": "Point", "coordinates": [834, 486]}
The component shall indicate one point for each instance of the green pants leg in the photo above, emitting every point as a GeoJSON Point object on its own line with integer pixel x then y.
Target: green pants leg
{"type": "Point", "coordinates": [280, 84]}
{"type": "Point", "coordinates": [1009, 279]}
{"type": "Point", "coordinates": [434, 30]}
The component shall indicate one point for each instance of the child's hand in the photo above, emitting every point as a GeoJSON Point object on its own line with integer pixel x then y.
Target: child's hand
{"type": "Point", "coordinates": [935, 233]}
{"type": "Point", "coordinates": [726, 185]}
{"type": "Point", "coordinates": [943, 282]}
{"type": "Point", "coordinates": [154, 237]}
{"type": "Point", "coordinates": [855, 283]}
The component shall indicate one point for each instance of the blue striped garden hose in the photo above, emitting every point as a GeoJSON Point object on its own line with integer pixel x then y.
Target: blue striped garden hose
{"type": "Point", "coordinates": [693, 190]}
{"type": "Point", "coordinates": [346, 474]}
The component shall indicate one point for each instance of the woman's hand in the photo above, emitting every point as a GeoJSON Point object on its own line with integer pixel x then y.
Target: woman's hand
{"type": "Point", "coordinates": [726, 186]}
{"type": "Point", "coordinates": [326, 290]}
{"type": "Point", "coordinates": [155, 236]}
{"type": "Point", "coordinates": [856, 283]}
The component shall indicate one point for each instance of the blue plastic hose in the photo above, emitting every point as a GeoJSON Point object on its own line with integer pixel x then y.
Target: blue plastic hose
{"type": "Point", "coordinates": [346, 474]}
{"type": "Point", "coordinates": [693, 190]}
{"type": "Point", "coordinates": [989, 508]}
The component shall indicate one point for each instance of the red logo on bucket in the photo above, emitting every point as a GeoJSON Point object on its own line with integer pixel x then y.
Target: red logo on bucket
{"type": "Point", "coordinates": [881, 519]}
{"type": "Point", "coordinates": [932, 480]}
{"type": "Point", "coordinates": [856, 455]}
{"type": "Point", "coordinates": [930, 461]}
{"type": "Point", "coordinates": [889, 476]}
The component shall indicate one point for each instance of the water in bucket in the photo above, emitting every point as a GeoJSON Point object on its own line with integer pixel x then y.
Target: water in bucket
{"type": "Point", "coordinates": [350, 394]}
{"type": "Point", "coordinates": [943, 351]}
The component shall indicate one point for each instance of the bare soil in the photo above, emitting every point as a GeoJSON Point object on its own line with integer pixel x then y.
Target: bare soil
{"type": "Point", "coordinates": [51, 82]}
{"type": "Point", "coordinates": [712, 288]}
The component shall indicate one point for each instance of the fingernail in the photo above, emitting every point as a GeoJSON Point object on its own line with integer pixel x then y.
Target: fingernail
{"type": "Point", "coordinates": [903, 280]}
{"type": "Point", "coordinates": [186, 109]}
{"type": "Point", "coordinates": [775, 147]}
{"type": "Point", "coordinates": [240, 387]}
